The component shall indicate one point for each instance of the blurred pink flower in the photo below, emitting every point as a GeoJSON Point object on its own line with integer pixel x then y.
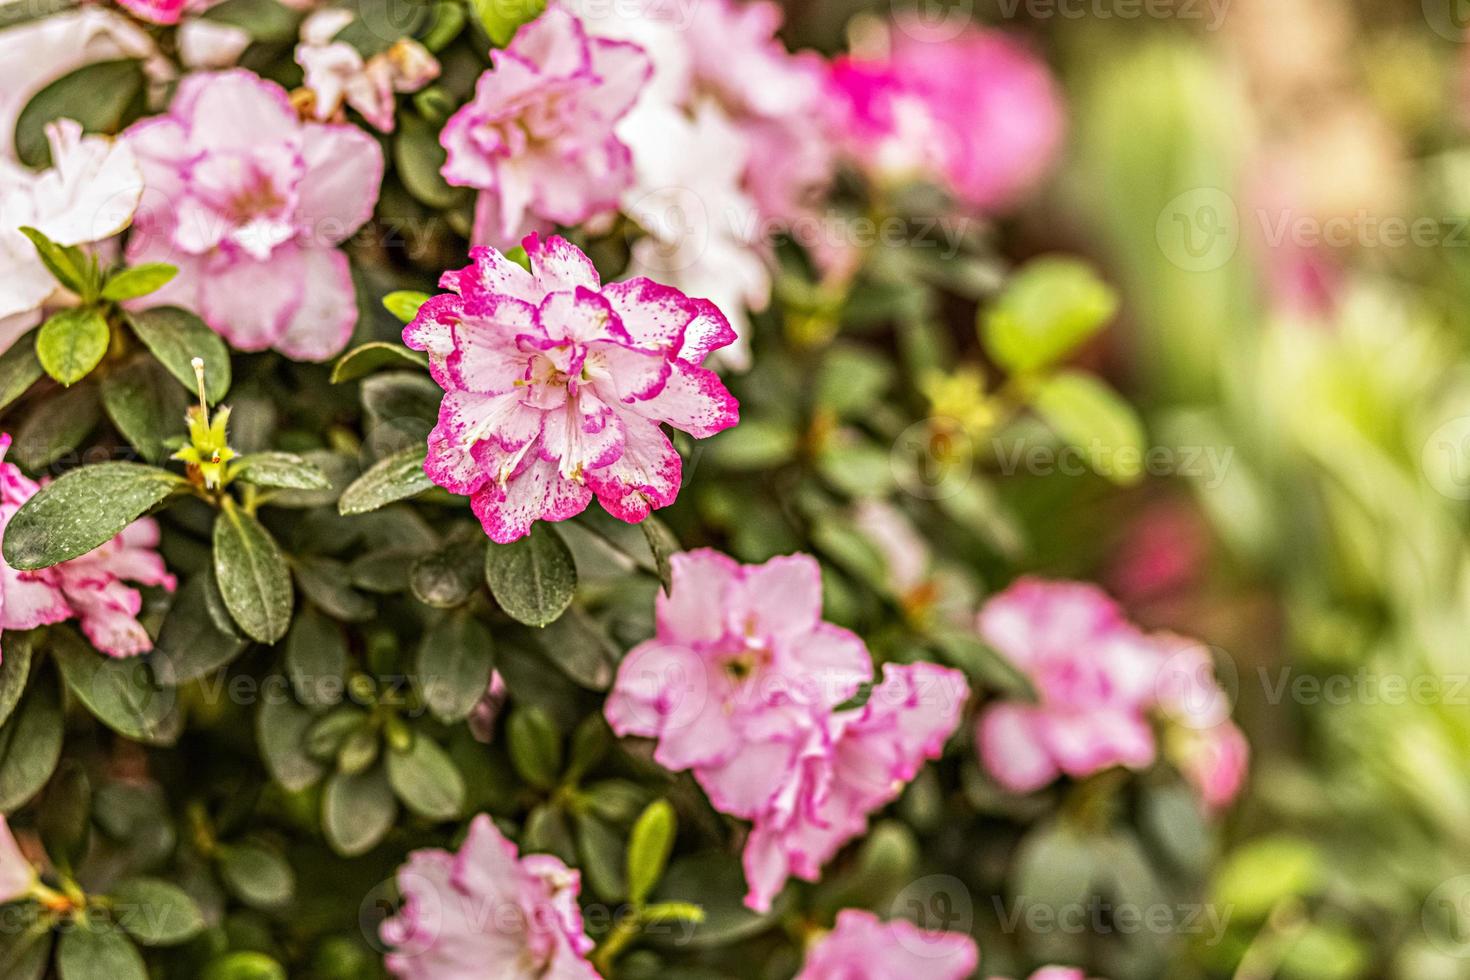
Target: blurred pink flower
{"type": "Point", "coordinates": [1094, 676]}
{"type": "Point", "coordinates": [537, 139]}
{"type": "Point", "coordinates": [250, 204]}
{"type": "Point", "coordinates": [740, 685]}
{"type": "Point", "coordinates": [1054, 973]}
{"type": "Point", "coordinates": [486, 909]}
{"type": "Point", "coordinates": [17, 876]}
{"type": "Point", "coordinates": [1204, 744]}
{"type": "Point", "coordinates": [978, 112]}
{"type": "Point", "coordinates": [487, 710]}
{"type": "Point", "coordinates": [89, 588]}
{"type": "Point", "coordinates": [860, 947]}
{"type": "Point", "coordinates": [338, 75]}
{"type": "Point", "coordinates": [156, 11]}
{"type": "Point", "coordinates": [556, 387]}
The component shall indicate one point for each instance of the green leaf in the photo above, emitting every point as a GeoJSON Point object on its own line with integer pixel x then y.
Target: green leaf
{"type": "Point", "coordinates": [98, 952]}
{"type": "Point", "coordinates": [15, 670]}
{"type": "Point", "coordinates": [64, 817]}
{"type": "Point", "coordinates": [156, 913]}
{"type": "Point", "coordinates": [396, 397]}
{"type": "Point", "coordinates": [175, 337]}
{"type": "Point", "coordinates": [256, 875]}
{"type": "Point", "coordinates": [453, 665]}
{"type": "Point", "coordinates": [758, 444]}
{"type": "Point", "coordinates": [244, 966]}
{"type": "Point", "coordinates": [418, 157]}
{"type": "Point", "coordinates": [286, 471]}
{"type": "Point", "coordinates": [19, 369]}
{"type": "Point", "coordinates": [535, 746]}
{"type": "Point", "coordinates": [501, 20]}
{"type": "Point", "coordinates": [140, 280]}
{"type": "Point", "coordinates": [66, 265]}
{"type": "Point", "coordinates": [672, 912]}
{"type": "Point", "coordinates": [448, 576]}
{"type": "Point", "coordinates": [390, 479]}
{"type": "Point", "coordinates": [147, 408]}
{"type": "Point", "coordinates": [581, 649]}
{"type": "Point", "coordinates": [375, 355]}
{"type": "Point", "coordinates": [1096, 421]}
{"type": "Point", "coordinates": [1265, 871]}
{"type": "Point", "coordinates": [58, 432]}
{"type": "Point", "coordinates": [404, 304]}
{"type": "Point", "coordinates": [664, 545]}
{"type": "Point", "coordinates": [253, 576]}
{"type": "Point", "coordinates": [325, 583]}
{"type": "Point", "coordinates": [316, 659]}
{"type": "Point", "coordinates": [534, 578]}
{"type": "Point", "coordinates": [427, 780]}
{"type": "Point", "coordinates": [25, 953]}
{"type": "Point", "coordinates": [1047, 310]}
{"type": "Point", "coordinates": [280, 730]}
{"type": "Point", "coordinates": [357, 811]}
{"type": "Point", "coordinates": [122, 694]}
{"type": "Point", "coordinates": [30, 744]}
{"type": "Point", "coordinates": [101, 96]}
{"type": "Point", "coordinates": [72, 343]}
{"type": "Point", "coordinates": [649, 847]}
{"type": "Point", "coordinates": [264, 20]}
{"type": "Point", "coordinates": [191, 642]}
{"type": "Point", "coordinates": [83, 509]}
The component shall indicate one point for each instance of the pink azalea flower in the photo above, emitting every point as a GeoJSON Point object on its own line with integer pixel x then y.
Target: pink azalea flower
{"type": "Point", "coordinates": [556, 386]}
{"type": "Point", "coordinates": [860, 947]}
{"type": "Point", "coordinates": [89, 588]}
{"type": "Point", "coordinates": [740, 685]}
{"type": "Point", "coordinates": [1094, 674]}
{"type": "Point", "coordinates": [1054, 973]}
{"type": "Point", "coordinates": [486, 909]}
{"type": "Point", "coordinates": [978, 112]}
{"type": "Point", "coordinates": [250, 204]}
{"type": "Point", "coordinates": [537, 138]}
{"type": "Point", "coordinates": [17, 876]}
{"type": "Point", "coordinates": [156, 11]}
{"type": "Point", "coordinates": [1204, 744]}
{"type": "Point", "coordinates": [338, 75]}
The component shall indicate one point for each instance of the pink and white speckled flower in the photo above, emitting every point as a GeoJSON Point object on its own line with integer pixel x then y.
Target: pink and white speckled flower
{"type": "Point", "coordinates": [537, 139]}
{"type": "Point", "coordinates": [91, 588]}
{"type": "Point", "coordinates": [17, 875]}
{"type": "Point", "coordinates": [741, 686]}
{"type": "Point", "coordinates": [486, 909]}
{"type": "Point", "coordinates": [556, 386]}
{"type": "Point", "coordinates": [861, 947]}
{"type": "Point", "coordinates": [250, 203]}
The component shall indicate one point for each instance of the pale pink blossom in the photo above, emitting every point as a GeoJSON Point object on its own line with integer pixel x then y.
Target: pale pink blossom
{"type": "Point", "coordinates": [487, 912]}
{"type": "Point", "coordinates": [338, 75]}
{"type": "Point", "coordinates": [1202, 742]}
{"type": "Point", "coordinates": [1054, 973]}
{"type": "Point", "coordinates": [861, 947]}
{"type": "Point", "coordinates": [1094, 675]}
{"type": "Point", "coordinates": [556, 387]}
{"type": "Point", "coordinates": [250, 203]}
{"type": "Point", "coordinates": [17, 876]}
{"type": "Point", "coordinates": [209, 44]}
{"type": "Point", "coordinates": [91, 588]}
{"type": "Point", "coordinates": [87, 195]}
{"type": "Point", "coordinates": [742, 684]}
{"type": "Point", "coordinates": [537, 140]}
{"type": "Point", "coordinates": [979, 113]}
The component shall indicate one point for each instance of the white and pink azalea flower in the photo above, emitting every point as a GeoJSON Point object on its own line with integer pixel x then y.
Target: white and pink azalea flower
{"type": "Point", "coordinates": [17, 875]}
{"type": "Point", "coordinates": [537, 140]}
{"type": "Point", "coordinates": [556, 387]}
{"type": "Point", "coordinates": [862, 947]}
{"type": "Point", "coordinates": [742, 685]}
{"type": "Point", "coordinates": [91, 588]}
{"type": "Point", "coordinates": [250, 204]}
{"type": "Point", "coordinates": [487, 911]}
{"type": "Point", "coordinates": [87, 195]}
{"type": "Point", "coordinates": [338, 75]}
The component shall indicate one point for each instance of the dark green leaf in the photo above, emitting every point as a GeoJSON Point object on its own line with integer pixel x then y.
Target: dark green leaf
{"type": "Point", "coordinates": [156, 913]}
{"type": "Point", "coordinates": [447, 577]}
{"type": "Point", "coordinates": [264, 20]}
{"type": "Point", "coordinates": [649, 847]}
{"type": "Point", "coordinates": [399, 397]}
{"type": "Point", "coordinates": [122, 694]}
{"type": "Point", "coordinates": [454, 664]}
{"type": "Point", "coordinates": [140, 280]}
{"type": "Point", "coordinates": [601, 853]}
{"type": "Point", "coordinates": [83, 509]}
{"type": "Point", "coordinates": [534, 578]}
{"type": "Point", "coordinates": [101, 96]}
{"type": "Point", "coordinates": [376, 355]}
{"type": "Point", "coordinates": [581, 648]}
{"type": "Point", "coordinates": [98, 952]}
{"type": "Point", "coordinates": [417, 158]}
{"type": "Point", "coordinates": [326, 583]}
{"type": "Point", "coordinates": [391, 478]}
{"type": "Point", "coordinates": [316, 659]}
{"type": "Point", "coordinates": [253, 576]}
{"type": "Point", "coordinates": [19, 369]}
{"type": "Point", "coordinates": [284, 470]}
{"type": "Point", "coordinates": [535, 746]}
{"type": "Point", "coordinates": [30, 744]}
{"type": "Point", "coordinates": [176, 337]}
{"type": "Point", "coordinates": [191, 642]}
{"type": "Point", "coordinates": [426, 780]}
{"type": "Point", "coordinates": [256, 875]}
{"type": "Point", "coordinates": [64, 817]}
{"type": "Point", "coordinates": [15, 670]}
{"type": "Point", "coordinates": [662, 543]}
{"type": "Point", "coordinates": [147, 408]}
{"type": "Point", "coordinates": [25, 953]}
{"type": "Point", "coordinates": [45, 437]}
{"type": "Point", "coordinates": [280, 729]}
{"type": "Point", "coordinates": [357, 811]}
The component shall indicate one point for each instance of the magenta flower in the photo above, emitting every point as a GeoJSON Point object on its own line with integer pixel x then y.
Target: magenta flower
{"type": "Point", "coordinates": [166, 12]}
{"type": "Point", "coordinates": [979, 113]}
{"type": "Point", "coordinates": [1094, 674]}
{"type": "Point", "coordinates": [860, 947]}
{"type": "Point", "coordinates": [485, 911]}
{"type": "Point", "coordinates": [537, 138]}
{"type": "Point", "coordinates": [741, 686]}
{"type": "Point", "coordinates": [556, 387]}
{"type": "Point", "coordinates": [89, 588]}
{"type": "Point", "coordinates": [250, 203]}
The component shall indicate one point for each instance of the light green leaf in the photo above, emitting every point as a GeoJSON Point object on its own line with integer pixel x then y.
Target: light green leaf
{"type": "Point", "coordinates": [404, 304]}
{"type": "Point", "coordinates": [1048, 309]}
{"type": "Point", "coordinates": [1096, 421]}
{"type": "Point", "coordinates": [534, 578]}
{"type": "Point", "coordinates": [83, 509]}
{"type": "Point", "coordinates": [72, 343]}
{"type": "Point", "coordinates": [253, 576]}
{"type": "Point", "coordinates": [140, 280]}
{"type": "Point", "coordinates": [256, 875]}
{"type": "Point", "coordinates": [67, 265]}
{"type": "Point", "coordinates": [649, 847]}
{"type": "Point", "coordinates": [501, 20]}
